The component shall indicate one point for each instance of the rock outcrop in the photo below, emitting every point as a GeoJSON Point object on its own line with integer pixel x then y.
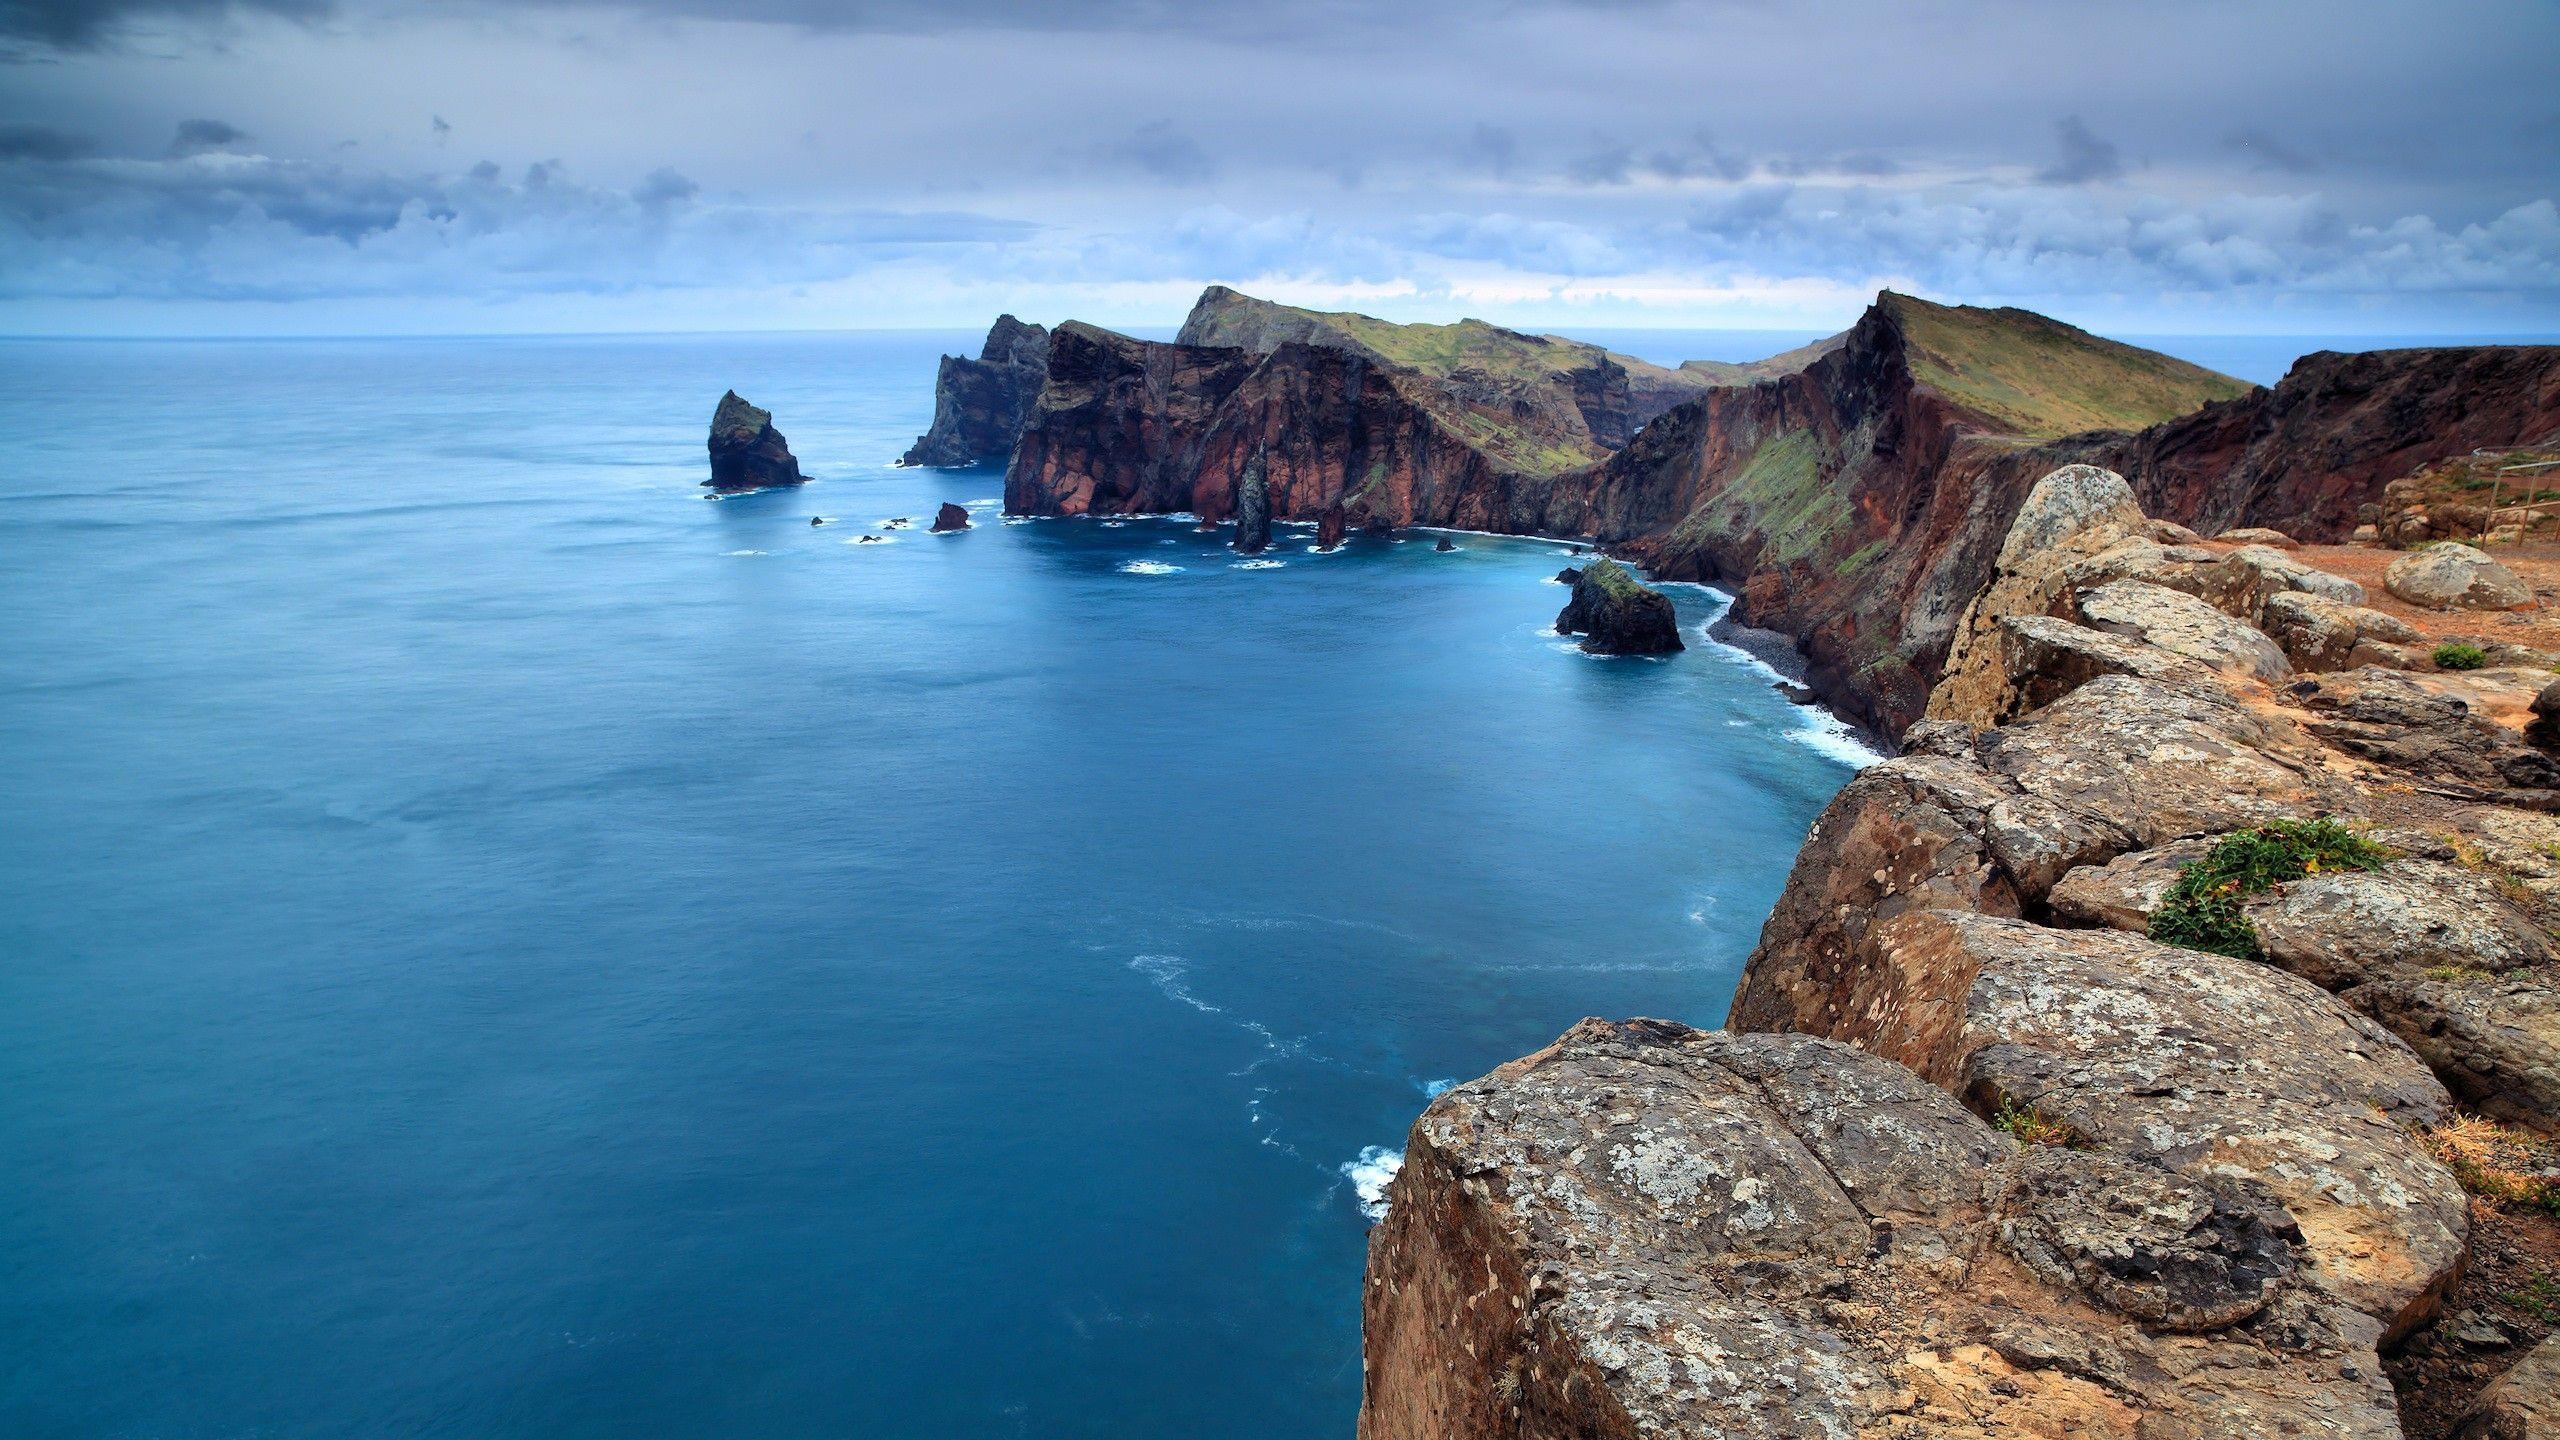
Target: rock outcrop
{"type": "Point", "coordinates": [2450, 575]}
{"type": "Point", "coordinates": [949, 518]}
{"type": "Point", "coordinates": [747, 453]}
{"type": "Point", "coordinates": [1253, 508]}
{"type": "Point", "coordinates": [1645, 1230]}
{"type": "Point", "coordinates": [1616, 615]}
{"type": "Point", "coordinates": [2523, 1404]}
{"type": "Point", "coordinates": [1983, 913]}
{"type": "Point", "coordinates": [979, 405]}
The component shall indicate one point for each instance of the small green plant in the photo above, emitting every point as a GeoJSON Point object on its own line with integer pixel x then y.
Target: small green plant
{"type": "Point", "coordinates": [2454, 655]}
{"type": "Point", "coordinates": [2030, 1126]}
{"type": "Point", "coordinates": [2538, 1296]}
{"type": "Point", "coordinates": [2202, 910]}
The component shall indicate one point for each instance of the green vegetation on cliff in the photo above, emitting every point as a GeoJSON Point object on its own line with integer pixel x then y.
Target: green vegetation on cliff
{"type": "Point", "coordinates": [2202, 911]}
{"type": "Point", "coordinates": [2037, 378]}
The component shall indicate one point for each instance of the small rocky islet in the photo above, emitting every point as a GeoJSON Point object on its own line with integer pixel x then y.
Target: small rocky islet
{"type": "Point", "coordinates": [2019, 1124]}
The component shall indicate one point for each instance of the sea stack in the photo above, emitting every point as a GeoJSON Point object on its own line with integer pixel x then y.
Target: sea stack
{"type": "Point", "coordinates": [1253, 508]}
{"type": "Point", "coordinates": [1443, 547]}
{"type": "Point", "coordinates": [949, 518]}
{"type": "Point", "coordinates": [1329, 527]}
{"type": "Point", "coordinates": [979, 405]}
{"type": "Point", "coordinates": [1616, 616]}
{"type": "Point", "coordinates": [747, 453]}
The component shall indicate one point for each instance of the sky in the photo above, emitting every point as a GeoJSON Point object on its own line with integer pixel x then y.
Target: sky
{"type": "Point", "coordinates": [471, 166]}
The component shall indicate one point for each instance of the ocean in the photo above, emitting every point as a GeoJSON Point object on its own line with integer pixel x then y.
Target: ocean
{"type": "Point", "coordinates": [500, 945]}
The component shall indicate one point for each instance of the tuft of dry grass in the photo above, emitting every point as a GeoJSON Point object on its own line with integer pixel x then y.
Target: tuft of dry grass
{"type": "Point", "coordinates": [2499, 1163]}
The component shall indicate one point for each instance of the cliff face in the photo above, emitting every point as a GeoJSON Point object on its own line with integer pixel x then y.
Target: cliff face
{"type": "Point", "coordinates": [1612, 394]}
{"type": "Point", "coordinates": [1857, 503]}
{"type": "Point", "coordinates": [2131, 746]}
{"type": "Point", "coordinates": [979, 405]}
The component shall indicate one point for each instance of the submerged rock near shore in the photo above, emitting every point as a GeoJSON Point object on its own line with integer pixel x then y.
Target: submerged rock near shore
{"type": "Point", "coordinates": [747, 453]}
{"type": "Point", "coordinates": [1616, 615]}
{"type": "Point", "coordinates": [979, 405]}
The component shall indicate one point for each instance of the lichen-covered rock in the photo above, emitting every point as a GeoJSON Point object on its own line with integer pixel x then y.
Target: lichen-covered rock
{"type": "Point", "coordinates": [2523, 1404]}
{"type": "Point", "coordinates": [979, 406]}
{"type": "Point", "coordinates": [2417, 726]}
{"type": "Point", "coordinates": [2046, 659]}
{"type": "Point", "coordinates": [2200, 1062]}
{"type": "Point", "coordinates": [2345, 927]}
{"type": "Point", "coordinates": [2258, 535]}
{"type": "Point", "coordinates": [2122, 894]}
{"type": "Point", "coordinates": [2454, 576]}
{"type": "Point", "coordinates": [1615, 615]}
{"type": "Point", "coordinates": [1644, 1230]}
{"type": "Point", "coordinates": [2320, 633]}
{"type": "Point", "coordinates": [747, 453]}
{"type": "Point", "coordinates": [2183, 625]}
{"type": "Point", "coordinates": [2493, 1039]}
{"type": "Point", "coordinates": [2073, 514]}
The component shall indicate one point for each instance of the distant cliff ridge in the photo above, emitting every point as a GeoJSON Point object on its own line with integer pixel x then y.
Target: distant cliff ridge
{"type": "Point", "coordinates": [1855, 503]}
{"type": "Point", "coordinates": [979, 405]}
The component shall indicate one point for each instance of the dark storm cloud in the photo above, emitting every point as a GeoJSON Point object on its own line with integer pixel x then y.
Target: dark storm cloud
{"type": "Point", "coordinates": [2268, 152]}
{"type": "Point", "coordinates": [1159, 149]}
{"type": "Point", "coordinates": [39, 142]}
{"type": "Point", "coordinates": [2085, 157]}
{"type": "Point", "coordinates": [79, 24]}
{"type": "Point", "coordinates": [195, 137]}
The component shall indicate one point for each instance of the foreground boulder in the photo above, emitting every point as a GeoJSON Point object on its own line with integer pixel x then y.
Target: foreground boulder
{"type": "Point", "coordinates": [1647, 1230]}
{"type": "Point", "coordinates": [1617, 616]}
{"type": "Point", "coordinates": [747, 453]}
{"type": "Point", "coordinates": [979, 405]}
{"type": "Point", "coordinates": [2523, 1404]}
{"type": "Point", "coordinates": [2454, 576]}
{"type": "Point", "coordinates": [949, 518]}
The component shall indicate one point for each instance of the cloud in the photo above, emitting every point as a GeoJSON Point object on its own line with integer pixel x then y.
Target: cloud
{"type": "Point", "coordinates": [217, 225]}
{"type": "Point", "coordinates": [86, 24]}
{"type": "Point", "coordinates": [1490, 148]}
{"type": "Point", "coordinates": [2268, 152]}
{"type": "Point", "coordinates": [1699, 158]}
{"type": "Point", "coordinates": [195, 137]}
{"type": "Point", "coordinates": [1609, 163]}
{"type": "Point", "coordinates": [38, 142]}
{"type": "Point", "coordinates": [1158, 149]}
{"type": "Point", "coordinates": [2085, 157]}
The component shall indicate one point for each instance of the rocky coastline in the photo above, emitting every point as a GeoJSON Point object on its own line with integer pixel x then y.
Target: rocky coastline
{"type": "Point", "coordinates": [1859, 1212]}
{"type": "Point", "coordinates": [2166, 1044]}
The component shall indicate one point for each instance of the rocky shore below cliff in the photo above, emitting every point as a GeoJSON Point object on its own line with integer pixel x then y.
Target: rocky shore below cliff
{"type": "Point", "coordinates": [1987, 1154]}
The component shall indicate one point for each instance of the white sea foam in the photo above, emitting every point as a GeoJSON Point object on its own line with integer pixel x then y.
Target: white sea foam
{"type": "Point", "coordinates": [980, 504]}
{"type": "Point", "coordinates": [1019, 519]}
{"type": "Point", "coordinates": [1113, 524]}
{"type": "Point", "coordinates": [746, 552]}
{"type": "Point", "coordinates": [1167, 972]}
{"type": "Point", "coordinates": [1832, 736]}
{"type": "Point", "coordinates": [872, 540]}
{"type": "Point", "coordinates": [1437, 1088]}
{"type": "Point", "coordinates": [1148, 567]}
{"type": "Point", "coordinates": [1369, 1176]}
{"type": "Point", "coordinates": [1258, 565]}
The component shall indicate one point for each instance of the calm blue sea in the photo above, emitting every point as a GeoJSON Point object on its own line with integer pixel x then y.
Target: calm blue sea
{"type": "Point", "coordinates": [494, 945]}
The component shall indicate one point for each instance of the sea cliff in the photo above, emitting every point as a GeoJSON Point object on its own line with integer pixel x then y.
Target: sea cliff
{"type": "Point", "coordinates": [1855, 502]}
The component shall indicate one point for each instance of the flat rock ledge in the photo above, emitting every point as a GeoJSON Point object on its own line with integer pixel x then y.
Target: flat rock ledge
{"type": "Point", "coordinates": [1650, 1230]}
